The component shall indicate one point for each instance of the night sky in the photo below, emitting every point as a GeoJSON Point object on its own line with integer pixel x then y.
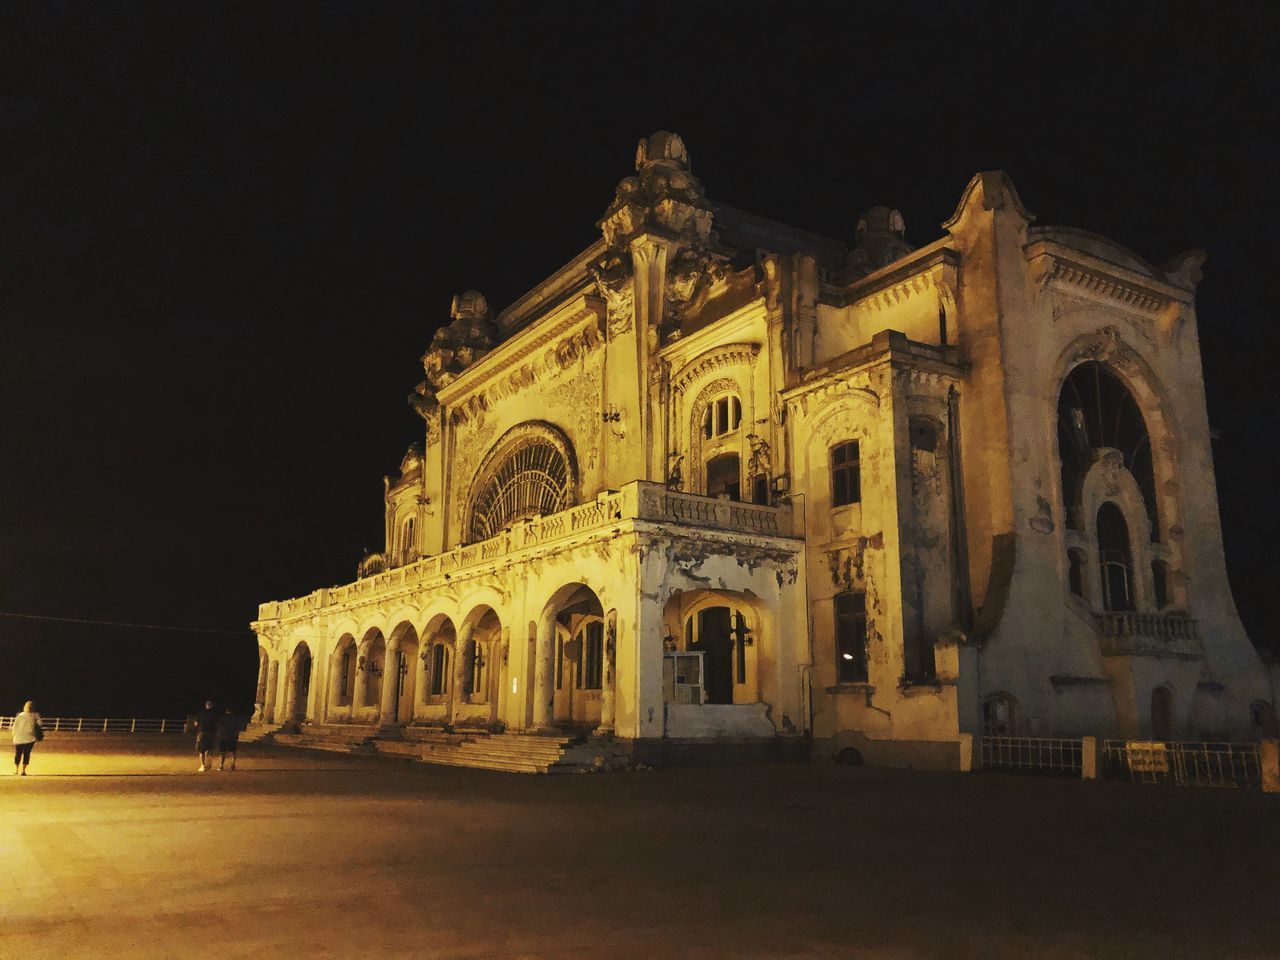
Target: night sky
{"type": "Point", "coordinates": [228, 231]}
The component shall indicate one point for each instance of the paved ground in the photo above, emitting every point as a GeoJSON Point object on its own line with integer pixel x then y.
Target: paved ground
{"type": "Point", "coordinates": [118, 849]}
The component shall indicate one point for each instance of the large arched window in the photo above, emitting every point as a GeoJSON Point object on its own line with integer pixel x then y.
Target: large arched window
{"type": "Point", "coordinates": [529, 473]}
{"type": "Point", "coordinates": [1096, 410]}
{"type": "Point", "coordinates": [1116, 559]}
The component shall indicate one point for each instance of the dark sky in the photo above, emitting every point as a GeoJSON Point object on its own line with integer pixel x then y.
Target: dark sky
{"type": "Point", "coordinates": [228, 231]}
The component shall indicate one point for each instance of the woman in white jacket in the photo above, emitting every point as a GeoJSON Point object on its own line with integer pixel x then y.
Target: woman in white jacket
{"type": "Point", "coordinates": [25, 725]}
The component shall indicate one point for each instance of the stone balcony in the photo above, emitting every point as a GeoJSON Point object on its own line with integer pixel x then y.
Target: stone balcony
{"type": "Point", "coordinates": [637, 501]}
{"type": "Point", "coordinates": [1129, 634]}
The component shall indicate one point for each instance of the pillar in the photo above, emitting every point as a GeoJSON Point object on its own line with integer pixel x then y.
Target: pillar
{"type": "Point", "coordinates": [608, 684]}
{"type": "Point", "coordinates": [273, 688]}
{"type": "Point", "coordinates": [358, 693]}
{"type": "Point", "coordinates": [1088, 758]}
{"type": "Point", "coordinates": [390, 681]}
{"type": "Point", "coordinates": [335, 684]}
{"type": "Point", "coordinates": [461, 685]}
{"type": "Point", "coordinates": [1269, 760]}
{"type": "Point", "coordinates": [543, 691]}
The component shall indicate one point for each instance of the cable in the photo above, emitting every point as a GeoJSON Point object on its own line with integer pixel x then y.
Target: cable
{"type": "Point", "coordinates": [115, 623]}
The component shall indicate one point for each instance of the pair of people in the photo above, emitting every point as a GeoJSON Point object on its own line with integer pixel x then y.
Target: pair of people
{"type": "Point", "coordinates": [222, 730]}
{"type": "Point", "coordinates": [26, 731]}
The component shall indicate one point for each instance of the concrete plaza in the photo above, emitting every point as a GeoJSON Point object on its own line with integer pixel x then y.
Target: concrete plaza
{"type": "Point", "coordinates": [117, 848]}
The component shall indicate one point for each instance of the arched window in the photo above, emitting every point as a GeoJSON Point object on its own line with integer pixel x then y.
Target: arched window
{"type": "Point", "coordinates": [724, 476]}
{"type": "Point", "coordinates": [439, 670]}
{"type": "Point", "coordinates": [999, 717]}
{"type": "Point", "coordinates": [475, 664]}
{"type": "Point", "coordinates": [846, 474]}
{"type": "Point", "coordinates": [529, 473]}
{"type": "Point", "coordinates": [721, 416]}
{"type": "Point", "coordinates": [1075, 571]}
{"type": "Point", "coordinates": [1116, 559]}
{"type": "Point", "coordinates": [348, 688]}
{"type": "Point", "coordinates": [408, 552]}
{"type": "Point", "coordinates": [1096, 410]}
{"type": "Point", "coordinates": [592, 638]}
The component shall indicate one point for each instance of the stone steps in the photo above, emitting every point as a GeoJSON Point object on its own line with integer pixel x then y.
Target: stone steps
{"type": "Point", "coordinates": [260, 733]}
{"type": "Point", "coordinates": [509, 752]}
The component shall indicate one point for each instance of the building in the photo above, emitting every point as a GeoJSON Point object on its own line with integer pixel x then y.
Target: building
{"type": "Point", "coordinates": [722, 484]}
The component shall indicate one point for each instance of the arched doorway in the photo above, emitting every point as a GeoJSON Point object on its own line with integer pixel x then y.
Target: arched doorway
{"type": "Point", "coordinates": [369, 665]}
{"type": "Point", "coordinates": [579, 659]}
{"type": "Point", "coordinates": [399, 676]}
{"type": "Point", "coordinates": [1161, 714]}
{"type": "Point", "coordinates": [299, 683]}
{"type": "Point", "coordinates": [435, 672]}
{"type": "Point", "coordinates": [713, 650]}
{"type": "Point", "coordinates": [478, 664]}
{"type": "Point", "coordinates": [573, 675]}
{"type": "Point", "coordinates": [342, 673]}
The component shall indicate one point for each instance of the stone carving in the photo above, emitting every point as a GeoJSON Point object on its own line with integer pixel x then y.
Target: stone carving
{"type": "Point", "coordinates": [612, 277]}
{"type": "Point", "coordinates": [465, 340]}
{"type": "Point", "coordinates": [758, 462]}
{"type": "Point", "coordinates": [674, 479]}
{"type": "Point", "coordinates": [663, 196]}
{"type": "Point", "coordinates": [1184, 270]}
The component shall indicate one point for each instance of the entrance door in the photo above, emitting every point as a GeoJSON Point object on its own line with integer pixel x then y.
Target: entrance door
{"type": "Point", "coordinates": [404, 688]}
{"type": "Point", "coordinates": [302, 684]}
{"type": "Point", "coordinates": [1161, 714]}
{"type": "Point", "coordinates": [715, 640]}
{"type": "Point", "coordinates": [565, 677]}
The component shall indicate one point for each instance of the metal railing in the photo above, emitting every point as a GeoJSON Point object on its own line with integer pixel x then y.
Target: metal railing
{"type": "Point", "coordinates": [103, 725]}
{"type": "Point", "coordinates": [1033, 754]}
{"type": "Point", "coordinates": [1186, 763]}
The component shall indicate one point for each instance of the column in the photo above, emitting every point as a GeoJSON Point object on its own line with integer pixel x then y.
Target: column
{"type": "Point", "coordinates": [273, 688]}
{"type": "Point", "coordinates": [543, 692]}
{"type": "Point", "coordinates": [362, 665]}
{"type": "Point", "coordinates": [461, 685]}
{"type": "Point", "coordinates": [390, 684]}
{"type": "Point", "coordinates": [608, 683]}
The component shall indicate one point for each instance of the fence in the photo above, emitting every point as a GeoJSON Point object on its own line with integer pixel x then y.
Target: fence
{"type": "Point", "coordinates": [1185, 763]}
{"type": "Point", "coordinates": [1061, 756]}
{"type": "Point", "coordinates": [102, 725]}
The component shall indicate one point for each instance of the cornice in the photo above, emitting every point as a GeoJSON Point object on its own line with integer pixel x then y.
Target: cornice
{"type": "Point", "coordinates": [717, 358]}
{"type": "Point", "coordinates": [924, 362]}
{"type": "Point", "coordinates": [1081, 274]}
{"type": "Point", "coordinates": [929, 269]}
{"type": "Point", "coordinates": [515, 351]}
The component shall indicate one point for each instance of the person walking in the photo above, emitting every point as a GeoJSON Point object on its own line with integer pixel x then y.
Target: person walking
{"type": "Point", "coordinates": [206, 730]}
{"type": "Point", "coordinates": [26, 731]}
{"type": "Point", "coordinates": [228, 734]}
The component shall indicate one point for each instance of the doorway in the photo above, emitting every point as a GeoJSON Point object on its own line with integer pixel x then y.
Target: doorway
{"type": "Point", "coordinates": [1161, 714]}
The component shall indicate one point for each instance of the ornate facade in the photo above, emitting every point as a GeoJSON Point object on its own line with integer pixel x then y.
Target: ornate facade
{"type": "Point", "coordinates": [720, 481]}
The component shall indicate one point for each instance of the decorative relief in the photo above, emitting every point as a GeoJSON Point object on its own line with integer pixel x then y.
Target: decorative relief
{"type": "Point", "coordinates": [718, 358]}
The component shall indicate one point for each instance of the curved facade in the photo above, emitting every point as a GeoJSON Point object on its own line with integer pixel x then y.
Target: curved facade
{"type": "Point", "coordinates": [720, 482]}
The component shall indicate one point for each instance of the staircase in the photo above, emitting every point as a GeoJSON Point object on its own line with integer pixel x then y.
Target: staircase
{"type": "Point", "coordinates": [508, 752]}
{"type": "Point", "coordinates": [260, 733]}
{"type": "Point", "coordinates": [334, 737]}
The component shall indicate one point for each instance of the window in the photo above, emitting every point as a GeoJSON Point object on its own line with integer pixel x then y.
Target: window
{"type": "Point", "coordinates": [407, 551]}
{"type": "Point", "coordinates": [722, 416]}
{"type": "Point", "coordinates": [740, 641]}
{"type": "Point", "coordinates": [851, 636]}
{"type": "Point", "coordinates": [1160, 583]}
{"type": "Point", "coordinates": [348, 688]}
{"type": "Point", "coordinates": [998, 718]}
{"type": "Point", "coordinates": [589, 677]}
{"type": "Point", "coordinates": [439, 670]}
{"type": "Point", "coordinates": [846, 480]}
{"type": "Point", "coordinates": [1096, 410]}
{"type": "Point", "coordinates": [1114, 555]}
{"type": "Point", "coordinates": [527, 476]}
{"type": "Point", "coordinates": [724, 477]}
{"type": "Point", "coordinates": [1075, 572]}
{"type": "Point", "coordinates": [760, 489]}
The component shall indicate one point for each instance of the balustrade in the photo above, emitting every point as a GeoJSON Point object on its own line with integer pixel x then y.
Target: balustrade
{"type": "Point", "coordinates": [639, 500]}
